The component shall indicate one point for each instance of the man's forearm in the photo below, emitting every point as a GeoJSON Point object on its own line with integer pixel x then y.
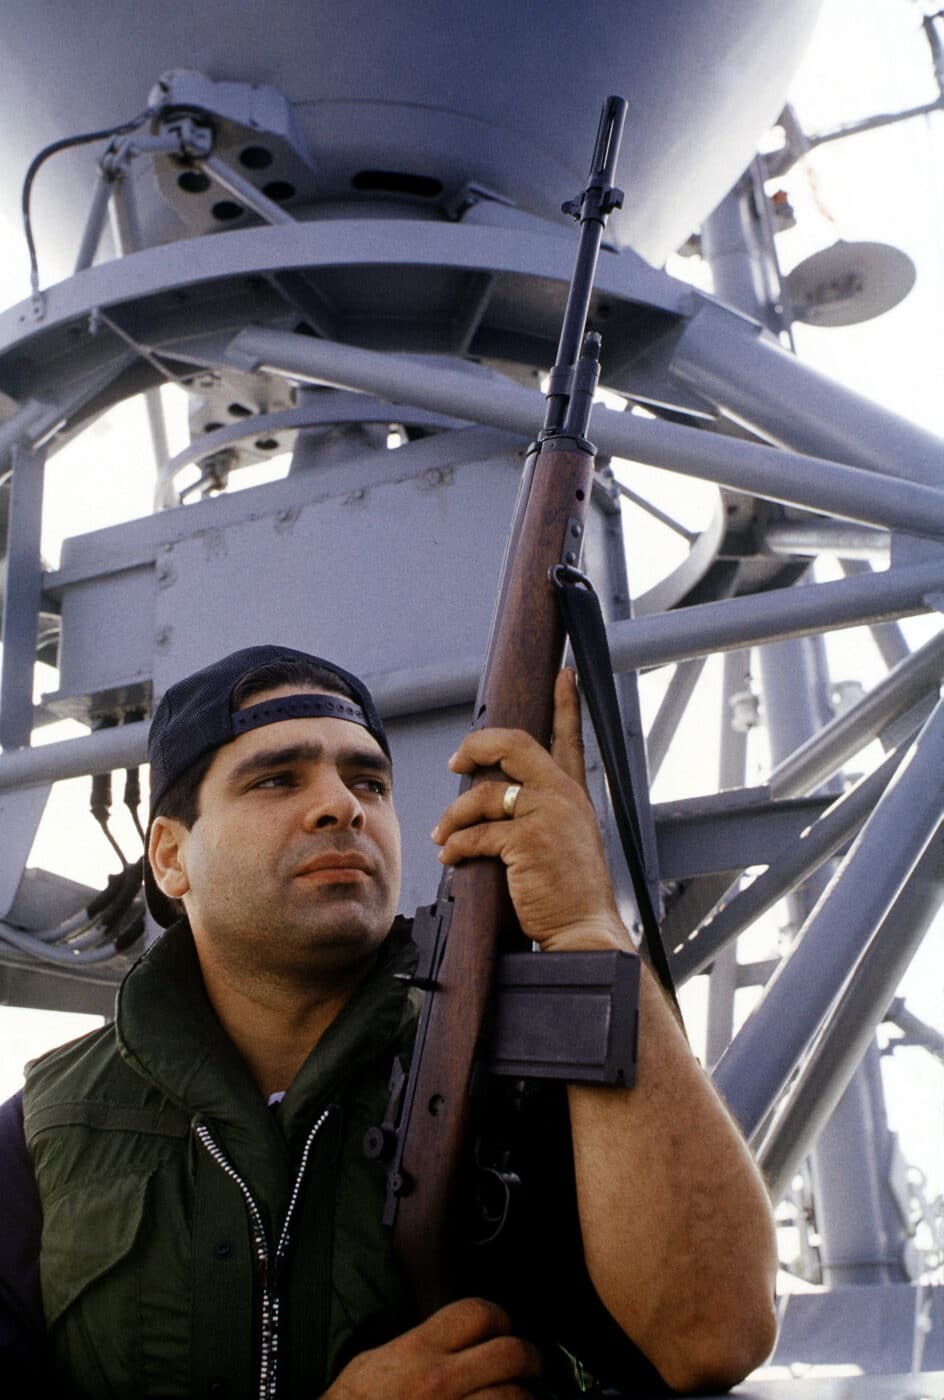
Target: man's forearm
{"type": "Point", "coordinates": [677, 1227]}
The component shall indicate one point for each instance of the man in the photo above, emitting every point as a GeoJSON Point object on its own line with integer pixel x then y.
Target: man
{"type": "Point", "coordinates": [211, 1224]}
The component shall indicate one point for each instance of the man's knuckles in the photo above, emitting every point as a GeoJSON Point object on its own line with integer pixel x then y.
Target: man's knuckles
{"type": "Point", "coordinates": [463, 1323]}
{"type": "Point", "coordinates": [475, 1369]}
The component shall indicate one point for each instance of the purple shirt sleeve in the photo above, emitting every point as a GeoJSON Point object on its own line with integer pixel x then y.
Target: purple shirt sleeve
{"type": "Point", "coordinates": [21, 1311]}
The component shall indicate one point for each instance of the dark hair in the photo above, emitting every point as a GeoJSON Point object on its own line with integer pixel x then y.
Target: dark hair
{"type": "Point", "coordinates": [181, 801]}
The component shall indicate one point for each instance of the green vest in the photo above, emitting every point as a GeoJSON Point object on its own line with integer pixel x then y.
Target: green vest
{"type": "Point", "coordinates": [192, 1236]}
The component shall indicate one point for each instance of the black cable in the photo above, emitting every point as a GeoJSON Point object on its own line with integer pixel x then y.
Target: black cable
{"type": "Point", "coordinates": [52, 149]}
{"type": "Point", "coordinates": [100, 803]}
{"type": "Point", "coordinates": [109, 903]}
{"type": "Point", "coordinates": [107, 909]}
{"type": "Point", "coordinates": [100, 807]}
{"type": "Point", "coordinates": [129, 884]}
{"type": "Point", "coordinates": [132, 799]}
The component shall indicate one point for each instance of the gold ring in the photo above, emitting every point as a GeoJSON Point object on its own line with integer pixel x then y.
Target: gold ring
{"type": "Point", "coordinates": [510, 798]}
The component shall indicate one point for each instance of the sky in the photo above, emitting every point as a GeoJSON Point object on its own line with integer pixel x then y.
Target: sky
{"type": "Point", "coordinates": [866, 56]}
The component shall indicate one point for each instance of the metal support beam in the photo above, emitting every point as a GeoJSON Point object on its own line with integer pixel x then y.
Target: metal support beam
{"type": "Point", "coordinates": [813, 537]}
{"type": "Point", "coordinates": [823, 1078]}
{"type": "Point", "coordinates": [807, 481]}
{"type": "Point", "coordinates": [822, 840]}
{"type": "Point", "coordinates": [747, 374]}
{"type": "Point", "coordinates": [888, 636]}
{"type": "Point", "coordinates": [775, 616]}
{"type": "Point", "coordinates": [29, 421]}
{"type": "Point", "coordinates": [732, 766]}
{"type": "Point", "coordinates": [22, 599]}
{"type": "Point", "coordinates": [127, 233]}
{"type": "Point", "coordinates": [753, 1071]}
{"type": "Point", "coordinates": [669, 714]}
{"type": "Point", "coordinates": [95, 224]}
{"type": "Point", "coordinates": [633, 643]}
{"type": "Point", "coordinates": [911, 680]}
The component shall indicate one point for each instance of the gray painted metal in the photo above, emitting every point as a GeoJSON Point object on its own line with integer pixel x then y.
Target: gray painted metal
{"type": "Point", "coordinates": [759, 383]}
{"type": "Point", "coordinates": [22, 599]}
{"type": "Point", "coordinates": [732, 769]}
{"type": "Point", "coordinates": [818, 484]}
{"type": "Point", "coordinates": [767, 617]}
{"type": "Point", "coordinates": [846, 733]}
{"type": "Point", "coordinates": [730, 830]}
{"type": "Point", "coordinates": [861, 1230]}
{"type": "Point", "coordinates": [669, 715]}
{"type": "Point", "coordinates": [816, 537]}
{"type": "Point", "coordinates": [888, 636]}
{"type": "Point", "coordinates": [898, 1328]}
{"type": "Point", "coordinates": [21, 812]}
{"type": "Point", "coordinates": [788, 869]}
{"type": "Point", "coordinates": [839, 1049]}
{"type": "Point", "coordinates": [635, 643]}
{"type": "Point", "coordinates": [861, 1217]}
{"type": "Point", "coordinates": [100, 752]}
{"type": "Point", "coordinates": [496, 99]}
{"type": "Point", "coordinates": [813, 972]}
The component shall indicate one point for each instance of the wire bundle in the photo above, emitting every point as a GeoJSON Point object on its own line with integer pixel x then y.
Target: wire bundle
{"type": "Point", "coordinates": [100, 930]}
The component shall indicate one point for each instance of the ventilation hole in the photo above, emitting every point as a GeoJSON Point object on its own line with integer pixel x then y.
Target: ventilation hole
{"type": "Point", "coordinates": [268, 444]}
{"type": "Point", "coordinates": [397, 182]}
{"type": "Point", "coordinates": [212, 427]}
{"type": "Point", "coordinates": [255, 157]}
{"type": "Point", "coordinates": [226, 210]}
{"type": "Point", "coordinates": [193, 181]}
{"type": "Point", "coordinates": [239, 410]}
{"type": "Point", "coordinates": [279, 190]}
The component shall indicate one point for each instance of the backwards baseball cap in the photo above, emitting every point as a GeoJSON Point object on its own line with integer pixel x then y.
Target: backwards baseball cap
{"type": "Point", "coordinates": [196, 716]}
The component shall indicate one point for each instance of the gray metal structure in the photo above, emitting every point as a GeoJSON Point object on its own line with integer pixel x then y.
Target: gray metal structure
{"type": "Point", "coordinates": [339, 230]}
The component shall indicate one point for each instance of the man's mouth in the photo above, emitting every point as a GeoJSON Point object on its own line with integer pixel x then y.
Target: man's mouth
{"type": "Point", "coordinates": [334, 867]}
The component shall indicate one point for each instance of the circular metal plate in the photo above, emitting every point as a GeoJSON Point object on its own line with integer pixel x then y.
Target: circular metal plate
{"type": "Point", "coordinates": [849, 283]}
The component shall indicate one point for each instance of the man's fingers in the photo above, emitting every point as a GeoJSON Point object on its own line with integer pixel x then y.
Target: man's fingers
{"type": "Point", "coordinates": [567, 742]}
{"type": "Point", "coordinates": [474, 842]}
{"type": "Point", "coordinates": [521, 757]}
{"type": "Point", "coordinates": [465, 1351]}
{"type": "Point", "coordinates": [497, 1362]}
{"type": "Point", "coordinates": [464, 1323]}
{"type": "Point", "coordinates": [485, 801]}
{"type": "Point", "coordinates": [480, 1355]}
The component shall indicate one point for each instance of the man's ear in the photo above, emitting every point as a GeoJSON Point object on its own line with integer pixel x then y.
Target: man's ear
{"type": "Point", "coordinates": [165, 852]}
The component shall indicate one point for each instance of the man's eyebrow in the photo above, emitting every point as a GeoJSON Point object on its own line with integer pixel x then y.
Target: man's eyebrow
{"type": "Point", "coordinates": [352, 757]}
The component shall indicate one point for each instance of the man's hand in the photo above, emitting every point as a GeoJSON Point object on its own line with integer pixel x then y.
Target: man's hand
{"type": "Point", "coordinates": [464, 1350]}
{"type": "Point", "coordinates": [551, 847]}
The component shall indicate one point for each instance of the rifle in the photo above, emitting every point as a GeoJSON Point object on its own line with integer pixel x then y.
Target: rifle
{"type": "Point", "coordinates": [426, 1134]}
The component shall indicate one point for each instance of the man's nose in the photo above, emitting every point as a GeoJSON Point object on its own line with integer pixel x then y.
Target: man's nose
{"type": "Point", "coordinates": [332, 803]}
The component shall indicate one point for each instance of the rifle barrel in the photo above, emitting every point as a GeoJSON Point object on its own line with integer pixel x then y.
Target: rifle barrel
{"type": "Point", "coordinates": [592, 207]}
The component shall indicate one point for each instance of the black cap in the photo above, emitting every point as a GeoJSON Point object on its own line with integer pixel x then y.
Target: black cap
{"type": "Point", "coordinates": [195, 716]}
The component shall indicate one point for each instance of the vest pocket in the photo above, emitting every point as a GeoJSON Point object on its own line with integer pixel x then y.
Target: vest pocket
{"type": "Point", "coordinates": [90, 1289]}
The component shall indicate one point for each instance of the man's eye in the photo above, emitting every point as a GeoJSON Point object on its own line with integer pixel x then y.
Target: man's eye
{"type": "Point", "coordinates": [273, 780]}
{"type": "Point", "coordinates": [377, 786]}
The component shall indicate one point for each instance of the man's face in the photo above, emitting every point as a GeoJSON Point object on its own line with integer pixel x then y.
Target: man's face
{"type": "Point", "coordinates": [293, 865]}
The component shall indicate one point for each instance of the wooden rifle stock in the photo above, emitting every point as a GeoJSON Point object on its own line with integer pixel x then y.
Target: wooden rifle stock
{"type": "Point", "coordinates": [524, 654]}
{"type": "Point", "coordinates": [516, 692]}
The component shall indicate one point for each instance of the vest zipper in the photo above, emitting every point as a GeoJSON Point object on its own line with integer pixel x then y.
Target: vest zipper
{"type": "Point", "coordinates": [267, 1262]}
